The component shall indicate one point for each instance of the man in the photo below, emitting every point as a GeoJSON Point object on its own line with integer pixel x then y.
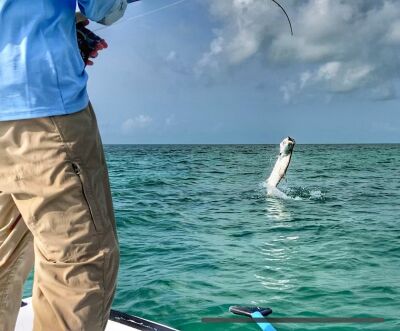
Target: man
{"type": "Point", "coordinates": [55, 202]}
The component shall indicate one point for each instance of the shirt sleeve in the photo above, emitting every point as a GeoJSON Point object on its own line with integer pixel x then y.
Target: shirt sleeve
{"type": "Point", "coordinates": [95, 10]}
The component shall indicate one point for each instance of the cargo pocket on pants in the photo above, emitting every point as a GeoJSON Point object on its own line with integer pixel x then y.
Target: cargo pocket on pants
{"type": "Point", "coordinates": [88, 196]}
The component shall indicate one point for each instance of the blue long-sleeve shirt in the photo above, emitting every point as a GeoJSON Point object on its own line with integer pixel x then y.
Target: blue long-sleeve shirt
{"type": "Point", "coordinates": [41, 70]}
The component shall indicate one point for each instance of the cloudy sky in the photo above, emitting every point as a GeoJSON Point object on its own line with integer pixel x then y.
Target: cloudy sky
{"type": "Point", "coordinates": [228, 71]}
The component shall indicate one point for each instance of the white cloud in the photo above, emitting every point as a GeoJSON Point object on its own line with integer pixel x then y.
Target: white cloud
{"type": "Point", "coordinates": [346, 45]}
{"type": "Point", "coordinates": [339, 76]}
{"type": "Point", "coordinates": [209, 59]}
{"type": "Point", "coordinates": [138, 122]}
{"type": "Point", "coordinates": [288, 90]}
{"type": "Point", "coordinates": [393, 34]}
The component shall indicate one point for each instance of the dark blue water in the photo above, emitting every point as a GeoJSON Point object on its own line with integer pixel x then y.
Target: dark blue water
{"type": "Point", "coordinates": [198, 233]}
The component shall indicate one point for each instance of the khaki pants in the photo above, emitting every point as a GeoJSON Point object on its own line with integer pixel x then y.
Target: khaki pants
{"type": "Point", "coordinates": [56, 212]}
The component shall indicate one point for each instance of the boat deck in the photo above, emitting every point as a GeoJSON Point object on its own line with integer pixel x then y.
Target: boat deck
{"type": "Point", "coordinates": [118, 321]}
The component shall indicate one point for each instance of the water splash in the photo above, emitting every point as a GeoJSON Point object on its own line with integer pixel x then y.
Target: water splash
{"type": "Point", "coordinates": [273, 191]}
{"type": "Point", "coordinates": [294, 193]}
{"type": "Point", "coordinates": [305, 193]}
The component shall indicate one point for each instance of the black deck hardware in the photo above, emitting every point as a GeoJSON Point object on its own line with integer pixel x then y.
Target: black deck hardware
{"type": "Point", "coordinates": [137, 322]}
{"type": "Point", "coordinates": [247, 311]}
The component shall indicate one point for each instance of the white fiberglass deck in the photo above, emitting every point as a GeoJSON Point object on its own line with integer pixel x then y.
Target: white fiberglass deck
{"type": "Point", "coordinates": [119, 322]}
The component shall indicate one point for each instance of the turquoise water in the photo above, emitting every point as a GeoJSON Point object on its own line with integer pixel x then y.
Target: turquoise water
{"type": "Point", "coordinates": [198, 233]}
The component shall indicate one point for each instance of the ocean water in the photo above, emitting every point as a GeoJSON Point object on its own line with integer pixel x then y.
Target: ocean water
{"type": "Point", "coordinates": [198, 234]}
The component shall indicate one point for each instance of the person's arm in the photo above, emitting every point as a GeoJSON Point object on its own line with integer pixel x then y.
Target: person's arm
{"type": "Point", "coordinates": [104, 12]}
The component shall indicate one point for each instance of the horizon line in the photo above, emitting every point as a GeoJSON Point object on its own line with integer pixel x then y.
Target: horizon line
{"type": "Point", "coordinates": [227, 144]}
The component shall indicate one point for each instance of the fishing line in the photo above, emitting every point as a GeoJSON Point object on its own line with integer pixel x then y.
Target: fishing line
{"type": "Point", "coordinates": [173, 4]}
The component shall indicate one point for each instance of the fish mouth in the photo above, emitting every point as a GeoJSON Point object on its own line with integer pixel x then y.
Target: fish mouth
{"type": "Point", "coordinates": [291, 140]}
{"type": "Point", "coordinates": [289, 143]}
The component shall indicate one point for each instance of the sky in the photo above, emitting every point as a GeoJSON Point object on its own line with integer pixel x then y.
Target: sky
{"type": "Point", "coordinates": [229, 71]}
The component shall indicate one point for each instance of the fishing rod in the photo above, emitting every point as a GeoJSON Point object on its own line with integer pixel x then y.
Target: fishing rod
{"type": "Point", "coordinates": [89, 42]}
{"type": "Point", "coordinates": [286, 14]}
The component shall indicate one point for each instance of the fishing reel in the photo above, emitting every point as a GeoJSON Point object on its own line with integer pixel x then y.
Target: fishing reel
{"type": "Point", "coordinates": [89, 43]}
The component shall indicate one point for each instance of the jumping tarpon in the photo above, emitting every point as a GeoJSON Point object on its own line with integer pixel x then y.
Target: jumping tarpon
{"type": "Point", "coordinates": [282, 164]}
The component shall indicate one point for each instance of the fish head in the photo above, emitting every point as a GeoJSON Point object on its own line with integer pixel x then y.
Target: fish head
{"type": "Point", "coordinates": [287, 145]}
